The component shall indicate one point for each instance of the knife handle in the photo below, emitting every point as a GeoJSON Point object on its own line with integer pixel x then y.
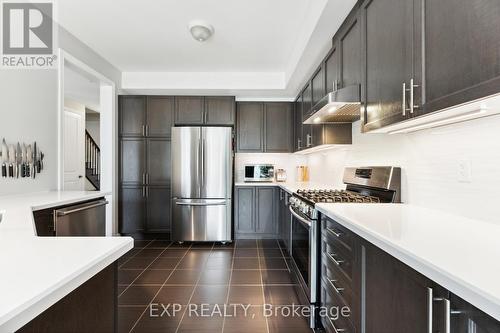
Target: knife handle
{"type": "Point", "coordinates": [23, 170]}
{"type": "Point", "coordinates": [4, 170]}
{"type": "Point", "coordinates": [27, 174]}
{"type": "Point", "coordinates": [11, 171]}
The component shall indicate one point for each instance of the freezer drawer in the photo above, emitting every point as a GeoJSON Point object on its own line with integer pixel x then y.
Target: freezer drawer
{"type": "Point", "coordinates": [88, 219]}
{"type": "Point", "coordinates": [201, 220]}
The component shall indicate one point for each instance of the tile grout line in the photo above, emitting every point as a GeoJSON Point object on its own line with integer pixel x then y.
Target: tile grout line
{"type": "Point", "coordinates": [143, 270]}
{"type": "Point", "coordinates": [194, 289]}
{"type": "Point", "coordinates": [262, 285]}
{"type": "Point", "coordinates": [229, 284]}
{"type": "Point", "coordinates": [133, 256]}
{"type": "Point", "coordinates": [156, 294]}
{"type": "Point", "coordinates": [283, 257]}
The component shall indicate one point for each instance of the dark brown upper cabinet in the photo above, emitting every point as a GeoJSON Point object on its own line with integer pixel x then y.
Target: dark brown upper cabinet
{"type": "Point", "coordinates": [332, 69]}
{"type": "Point", "coordinates": [264, 127]}
{"type": "Point", "coordinates": [146, 116]}
{"type": "Point", "coordinates": [199, 110]}
{"type": "Point", "coordinates": [160, 116]}
{"type": "Point", "coordinates": [250, 132]}
{"type": "Point", "coordinates": [132, 115]}
{"type": "Point", "coordinates": [318, 85]}
{"type": "Point", "coordinates": [462, 52]}
{"type": "Point", "coordinates": [220, 110]}
{"type": "Point", "coordinates": [306, 109]}
{"type": "Point", "coordinates": [349, 45]}
{"type": "Point", "coordinates": [189, 110]}
{"type": "Point", "coordinates": [298, 143]}
{"type": "Point", "coordinates": [278, 120]}
{"type": "Point", "coordinates": [389, 62]}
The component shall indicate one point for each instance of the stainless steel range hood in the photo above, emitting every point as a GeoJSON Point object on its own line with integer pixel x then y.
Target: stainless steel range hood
{"type": "Point", "coordinates": [340, 106]}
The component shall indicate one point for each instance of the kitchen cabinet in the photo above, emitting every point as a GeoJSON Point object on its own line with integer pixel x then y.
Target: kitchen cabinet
{"type": "Point", "coordinates": [250, 133]}
{"type": "Point", "coordinates": [466, 318]}
{"type": "Point", "coordinates": [189, 110]}
{"type": "Point", "coordinates": [157, 203]}
{"type": "Point", "coordinates": [318, 85]}
{"type": "Point", "coordinates": [199, 110]}
{"type": "Point", "coordinates": [220, 111]}
{"type": "Point", "coordinates": [266, 206]}
{"type": "Point", "coordinates": [462, 54]}
{"type": "Point", "coordinates": [331, 64]}
{"type": "Point", "coordinates": [349, 46]}
{"type": "Point", "coordinates": [298, 144]}
{"type": "Point", "coordinates": [158, 164]}
{"type": "Point", "coordinates": [284, 220]}
{"type": "Point", "coordinates": [132, 206]}
{"type": "Point", "coordinates": [133, 160]}
{"type": "Point", "coordinates": [160, 116]}
{"type": "Point", "coordinates": [145, 171]}
{"type": "Point", "coordinates": [306, 109]}
{"type": "Point", "coordinates": [132, 115]}
{"type": "Point", "coordinates": [278, 120]}
{"type": "Point", "coordinates": [256, 212]}
{"type": "Point", "coordinates": [264, 127]}
{"type": "Point", "coordinates": [390, 62]}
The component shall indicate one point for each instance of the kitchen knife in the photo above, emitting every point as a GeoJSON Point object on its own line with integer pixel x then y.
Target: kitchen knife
{"type": "Point", "coordinates": [4, 158]}
{"type": "Point", "coordinates": [19, 160]}
{"type": "Point", "coordinates": [34, 160]}
{"type": "Point", "coordinates": [29, 160]}
{"type": "Point", "coordinates": [23, 166]}
{"type": "Point", "coordinates": [12, 160]}
{"type": "Point", "coordinates": [42, 155]}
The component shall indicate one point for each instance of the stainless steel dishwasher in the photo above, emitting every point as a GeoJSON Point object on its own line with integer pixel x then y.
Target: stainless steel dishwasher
{"type": "Point", "coordinates": [87, 219]}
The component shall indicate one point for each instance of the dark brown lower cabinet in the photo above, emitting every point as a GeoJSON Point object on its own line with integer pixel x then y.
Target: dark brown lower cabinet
{"type": "Point", "coordinates": [145, 209]}
{"type": "Point", "coordinates": [384, 295]}
{"type": "Point", "coordinates": [92, 307]}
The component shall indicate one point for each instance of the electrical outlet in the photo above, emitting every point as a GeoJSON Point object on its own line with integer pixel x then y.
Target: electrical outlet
{"type": "Point", "coordinates": [464, 171]}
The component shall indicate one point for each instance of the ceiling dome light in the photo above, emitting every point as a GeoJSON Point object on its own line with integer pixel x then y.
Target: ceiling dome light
{"type": "Point", "coordinates": [201, 31]}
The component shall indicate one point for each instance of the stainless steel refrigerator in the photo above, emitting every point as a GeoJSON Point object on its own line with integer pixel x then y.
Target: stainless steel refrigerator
{"type": "Point", "coordinates": [202, 173]}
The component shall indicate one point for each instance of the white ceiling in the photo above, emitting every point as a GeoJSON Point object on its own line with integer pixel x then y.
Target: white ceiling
{"type": "Point", "coordinates": [256, 50]}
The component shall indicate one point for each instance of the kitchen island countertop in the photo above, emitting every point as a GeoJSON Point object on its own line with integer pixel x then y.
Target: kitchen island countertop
{"type": "Point", "coordinates": [39, 271]}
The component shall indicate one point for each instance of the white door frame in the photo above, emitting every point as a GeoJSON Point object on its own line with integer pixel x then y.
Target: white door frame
{"type": "Point", "coordinates": [108, 133]}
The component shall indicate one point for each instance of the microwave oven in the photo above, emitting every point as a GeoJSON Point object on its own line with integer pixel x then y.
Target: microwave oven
{"type": "Point", "coordinates": [259, 173]}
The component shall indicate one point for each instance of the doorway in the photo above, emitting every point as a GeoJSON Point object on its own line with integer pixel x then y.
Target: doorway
{"type": "Point", "coordinates": [87, 145]}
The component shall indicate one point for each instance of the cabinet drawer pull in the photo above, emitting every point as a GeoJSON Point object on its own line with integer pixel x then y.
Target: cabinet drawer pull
{"type": "Point", "coordinates": [337, 262]}
{"type": "Point", "coordinates": [333, 232]}
{"type": "Point", "coordinates": [338, 290]}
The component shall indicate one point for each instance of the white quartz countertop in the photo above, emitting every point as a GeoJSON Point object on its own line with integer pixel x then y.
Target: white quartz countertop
{"type": "Point", "coordinates": [461, 254]}
{"type": "Point", "coordinates": [36, 272]}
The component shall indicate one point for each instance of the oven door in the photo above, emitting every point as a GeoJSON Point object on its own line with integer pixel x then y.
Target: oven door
{"type": "Point", "coordinates": [304, 250]}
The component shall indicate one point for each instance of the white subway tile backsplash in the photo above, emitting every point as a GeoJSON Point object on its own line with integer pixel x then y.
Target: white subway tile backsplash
{"type": "Point", "coordinates": [430, 161]}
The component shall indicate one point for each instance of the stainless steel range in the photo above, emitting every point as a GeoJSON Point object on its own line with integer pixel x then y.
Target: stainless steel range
{"type": "Point", "coordinates": [363, 185]}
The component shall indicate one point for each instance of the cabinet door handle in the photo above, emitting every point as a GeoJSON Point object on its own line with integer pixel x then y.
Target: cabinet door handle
{"type": "Point", "coordinates": [333, 232]}
{"type": "Point", "coordinates": [143, 178]}
{"type": "Point", "coordinates": [143, 192]}
{"type": "Point", "coordinates": [147, 192]}
{"type": "Point", "coordinates": [447, 311]}
{"type": "Point", "coordinates": [412, 96]}
{"type": "Point", "coordinates": [338, 290]}
{"type": "Point", "coordinates": [143, 130]}
{"type": "Point", "coordinates": [147, 130]}
{"type": "Point", "coordinates": [430, 299]}
{"type": "Point", "coordinates": [337, 262]}
{"type": "Point", "coordinates": [403, 104]}
{"type": "Point", "coordinates": [308, 140]}
{"type": "Point", "coordinates": [147, 178]}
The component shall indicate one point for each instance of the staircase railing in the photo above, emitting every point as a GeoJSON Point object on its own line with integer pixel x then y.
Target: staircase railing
{"type": "Point", "coordinates": [92, 160]}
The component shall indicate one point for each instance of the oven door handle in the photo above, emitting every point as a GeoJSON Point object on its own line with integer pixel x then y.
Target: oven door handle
{"type": "Point", "coordinates": [304, 221]}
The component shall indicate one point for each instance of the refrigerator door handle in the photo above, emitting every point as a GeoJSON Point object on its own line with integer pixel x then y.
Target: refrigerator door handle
{"type": "Point", "coordinates": [214, 203]}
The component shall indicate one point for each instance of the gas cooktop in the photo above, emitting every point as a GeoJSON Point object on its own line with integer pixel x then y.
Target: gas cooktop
{"type": "Point", "coordinates": [316, 196]}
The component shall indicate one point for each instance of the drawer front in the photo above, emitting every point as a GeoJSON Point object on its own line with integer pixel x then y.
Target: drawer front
{"type": "Point", "coordinates": [336, 282]}
{"type": "Point", "coordinates": [331, 313]}
{"type": "Point", "coordinates": [336, 257]}
{"type": "Point", "coordinates": [334, 232]}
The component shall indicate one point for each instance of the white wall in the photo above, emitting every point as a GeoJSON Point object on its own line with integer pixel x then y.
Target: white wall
{"type": "Point", "coordinates": [289, 162]}
{"type": "Point", "coordinates": [28, 113]}
{"type": "Point", "coordinates": [429, 160]}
